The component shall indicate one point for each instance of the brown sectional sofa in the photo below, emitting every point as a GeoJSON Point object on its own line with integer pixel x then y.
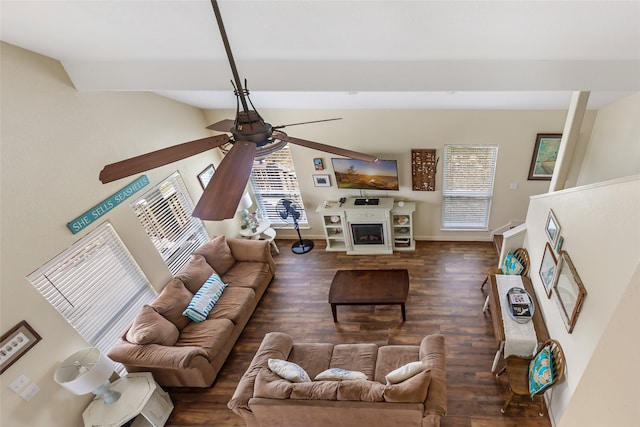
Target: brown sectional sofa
{"type": "Point", "coordinates": [180, 352]}
{"type": "Point", "coordinates": [264, 399]}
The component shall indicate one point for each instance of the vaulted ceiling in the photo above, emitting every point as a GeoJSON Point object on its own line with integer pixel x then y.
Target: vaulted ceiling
{"type": "Point", "coordinates": [342, 54]}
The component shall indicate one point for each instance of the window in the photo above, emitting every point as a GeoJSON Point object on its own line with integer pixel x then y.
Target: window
{"type": "Point", "coordinates": [274, 178]}
{"type": "Point", "coordinates": [96, 286]}
{"type": "Point", "coordinates": [165, 213]}
{"type": "Point", "coordinates": [468, 176]}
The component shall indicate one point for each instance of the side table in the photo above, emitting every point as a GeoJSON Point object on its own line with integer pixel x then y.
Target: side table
{"type": "Point", "coordinates": [142, 401]}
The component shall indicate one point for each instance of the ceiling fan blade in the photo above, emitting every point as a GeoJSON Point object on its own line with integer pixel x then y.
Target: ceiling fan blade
{"type": "Point", "coordinates": [159, 158]}
{"type": "Point", "coordinates": [222, 126]}
{"type": "Point", "coordinates": [305, 123]}
{"type": "Point", "coordinates": [221, 197]}
{"type": "Point", "coordinates": [327, 148]}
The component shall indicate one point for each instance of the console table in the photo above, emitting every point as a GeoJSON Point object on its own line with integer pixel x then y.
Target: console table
{"type": "Point", "coordinates": [495, 307]}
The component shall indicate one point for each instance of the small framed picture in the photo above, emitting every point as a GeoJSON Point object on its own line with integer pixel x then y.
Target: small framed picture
{"type": "Point", "coordinates": [205, 176]}
{"type": "Point", "coordinates": [318, 164]}
{"type": "Point", "coordinates": [15, 343]}
{"type": "Point", "coordinates": [321, 181]}
{"type": "Point", "coordinates": [548, 269]}
{"type": "Point", "coordinates": [552, 228]}
{"type": "Point", "coordinates": [545, 153]}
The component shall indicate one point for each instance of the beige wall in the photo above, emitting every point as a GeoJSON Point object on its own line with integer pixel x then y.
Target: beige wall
{"type": "Point", "coordinates": [54, 142]}
{"type": "Point", "coordinates": [391, 134]}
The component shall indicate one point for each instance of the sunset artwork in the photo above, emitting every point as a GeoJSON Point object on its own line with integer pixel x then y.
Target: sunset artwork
{"type": "Point", "coordinates": [361, 175]}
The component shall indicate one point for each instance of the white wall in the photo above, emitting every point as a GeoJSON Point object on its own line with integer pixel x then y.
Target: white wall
{"type": "Point", "coordinates": [391, 134]}
{"type": "Point", "coordinates": [614, 149]}
{"type": "Point", "coordinates": [600, 225]}
{"type": "Point", "coordinates": [54, 143]}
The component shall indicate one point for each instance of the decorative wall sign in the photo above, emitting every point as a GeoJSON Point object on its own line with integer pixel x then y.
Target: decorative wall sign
{"type": "Point", "coordinates": [205, 176]}
{"type": "Point", "coordinates": [105, 206]}
{"type": "Point", "coordinates": [15, 343]}
{"type": "Point", "coordinates": [423, 169]}
{"type": "Point", "coordinates": [544, 156]}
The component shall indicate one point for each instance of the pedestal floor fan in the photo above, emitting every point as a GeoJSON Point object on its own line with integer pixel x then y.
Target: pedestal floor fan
{"type": "Point", "coordinates": [289, 211]}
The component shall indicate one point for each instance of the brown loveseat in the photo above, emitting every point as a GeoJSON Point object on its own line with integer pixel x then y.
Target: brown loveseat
{"type": "Point", "coordinates": [183, 353]}
{"type": "Point", "coordinates": [264, 399]}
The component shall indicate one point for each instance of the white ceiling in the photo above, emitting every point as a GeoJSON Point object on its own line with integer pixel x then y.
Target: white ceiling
{"type": "Point", "coordinates": [342, 54]}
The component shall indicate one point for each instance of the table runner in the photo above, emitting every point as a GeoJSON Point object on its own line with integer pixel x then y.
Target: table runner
{"type": "Point", "coordinates": [520, 338]}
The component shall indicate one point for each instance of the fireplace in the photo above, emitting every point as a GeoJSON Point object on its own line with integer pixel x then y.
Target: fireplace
{"type": "Point", "coordinates": [367, 234]}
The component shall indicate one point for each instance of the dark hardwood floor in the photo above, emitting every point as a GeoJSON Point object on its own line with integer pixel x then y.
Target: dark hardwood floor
{"type": "Point", "coordinates": [444, 297]}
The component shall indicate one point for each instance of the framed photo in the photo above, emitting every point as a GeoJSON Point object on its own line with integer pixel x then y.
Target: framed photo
{"type": "Point", "coordinates": [548, 269]}
{"type": "Point", "coordinates": [321, 181]}
{"type": "Point", "coordinates": [15, 343]}
{"type": "Point", "coordinates": [552, 228]}
{"type": "Point", "coordinates": [544, 156]}
{"type": "Point", "coordinates": [318, 164]}
{"type": "Point", "coordinates": [205, 176]}
{"type": "Point", "coordinates": [568, 290]}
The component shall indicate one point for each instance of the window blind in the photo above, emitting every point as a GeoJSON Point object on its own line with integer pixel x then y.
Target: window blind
{"type": "Point", "coordinates": [468, 176]}
{"type": "Point", "coordinates": [165, 213]}
{"type": "Point", "coordinates": [274, 178]}
{"type": "Point", "coordinates": [96, 286]}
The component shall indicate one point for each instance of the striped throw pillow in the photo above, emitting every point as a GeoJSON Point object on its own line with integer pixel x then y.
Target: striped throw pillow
{"type": "Point", "coordinates": [204, 300]}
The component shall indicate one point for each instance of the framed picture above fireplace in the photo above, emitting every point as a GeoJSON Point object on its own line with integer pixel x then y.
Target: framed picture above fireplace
{"type": "Point", "coordinates": [361, 175]}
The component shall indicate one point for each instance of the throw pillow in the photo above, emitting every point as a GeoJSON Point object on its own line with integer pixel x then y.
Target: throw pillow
{"type": "Point", "coordinates": [172, 301]}
{"type": "Point", "coordinates": [288, 370]}
{"type": "Point", "coordinates": [338, 374]}
{"type": "Point", "coordinates": [403, 372]}
{"type": "Point", "coordinates": [204, 300]}
{"type": "Point", "coordinates": [540, 372]}
{"type": "Point", "coordinates": [149, 327]}
{"type": "Point", "coordinates": [511, 265]}
{"type": "Point", "coordinates": [218, 254]}
{"type": "Point", "coordinates": [195, 273]}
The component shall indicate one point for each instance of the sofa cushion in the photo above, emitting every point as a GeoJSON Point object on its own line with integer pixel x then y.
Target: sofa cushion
{"type": "Point", "coordinates": [392, 357]}
{"type": "Point", "coordinates": [217, 253]}
{"type": "Point", "coordinates": [269, 385]}
{"type": "Point", "coordinates": [360, 390]}
{"type": "Point", "coordinates": [404, 372]}
{"type": "Point", "coordinates": [204, 300]}
{"type": "Point", "coordinates": [289, 371]}
{"type": "Point", "coordinates": [413, 389]}
{"type": "Point", "coordinates": [149, 327]}
{"type": "Point", "coordinates": [195, 273]}
{"type": "Point", "coordinates": [313, 357]}
{"type": "Point", "coordinates": [315, 390]}
{"type": "Point", "coordinates": [339, 374]}
{"type": "Point", "coordinates": [235, 304]}
{"type": "Point", "coordinates": [172, 301]}
{"type": "Point", "coordinates": [248, 274]}
{"type": "Point", "coordinates": [357, 357]}
{"type": "Point", "coordinates": [211, 335]}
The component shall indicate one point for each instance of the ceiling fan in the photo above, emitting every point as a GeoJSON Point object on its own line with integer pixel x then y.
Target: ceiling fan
{"type": "Point", "coordinates": [250, 135]}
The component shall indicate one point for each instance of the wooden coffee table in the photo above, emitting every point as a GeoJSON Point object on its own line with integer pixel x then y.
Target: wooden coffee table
{"type": "Point", "coordinates": [369, 287]}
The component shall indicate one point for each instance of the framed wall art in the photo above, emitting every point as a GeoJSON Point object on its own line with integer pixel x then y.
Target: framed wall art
{"type": "Point", "coordinates": [552, 228]}
{"type": "Point", "coordinates": [205, 176]}
{"type": "Point", "coordinates": [15, 343]}
{"type": "Point", "coordinates": [318, 164]}
{"type": "Point", "coordinates": [548, 269]}
{"type": "Point", "coordinates": [568, 290]}
{"type": "Point", "coordinates": [545, 153]}
{"type": "Point", "coordinates": [321, 181]}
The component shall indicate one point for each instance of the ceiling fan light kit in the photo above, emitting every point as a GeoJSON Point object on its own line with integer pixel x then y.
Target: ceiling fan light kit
{"type": "Point", "coordinates": [251, 138]}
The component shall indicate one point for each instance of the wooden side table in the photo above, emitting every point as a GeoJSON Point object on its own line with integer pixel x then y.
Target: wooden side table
{"type": "Point", "coordinates": [142, 401]}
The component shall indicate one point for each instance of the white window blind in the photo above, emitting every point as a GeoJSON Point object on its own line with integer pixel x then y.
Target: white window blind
{"type": "Point", "coordinates": [468, 175]}
{"type": "Point", "coordinates": [96, 285]}
{"type": "Point", "coordinates": [165, 213]}
{"type": "Point", "coordinates": [274, 178]}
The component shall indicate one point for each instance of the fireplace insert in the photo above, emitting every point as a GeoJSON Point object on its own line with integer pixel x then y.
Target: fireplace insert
{"type": "Point", "coordinates": [367, 234]}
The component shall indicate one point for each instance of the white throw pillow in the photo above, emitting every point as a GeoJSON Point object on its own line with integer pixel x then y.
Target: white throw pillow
{"type": "Point", "coordinates": [289, 371]}
{"type": "Point", "coordinates": [403, 372]}
{"type": "Point", "coordinates": [337, 374]}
